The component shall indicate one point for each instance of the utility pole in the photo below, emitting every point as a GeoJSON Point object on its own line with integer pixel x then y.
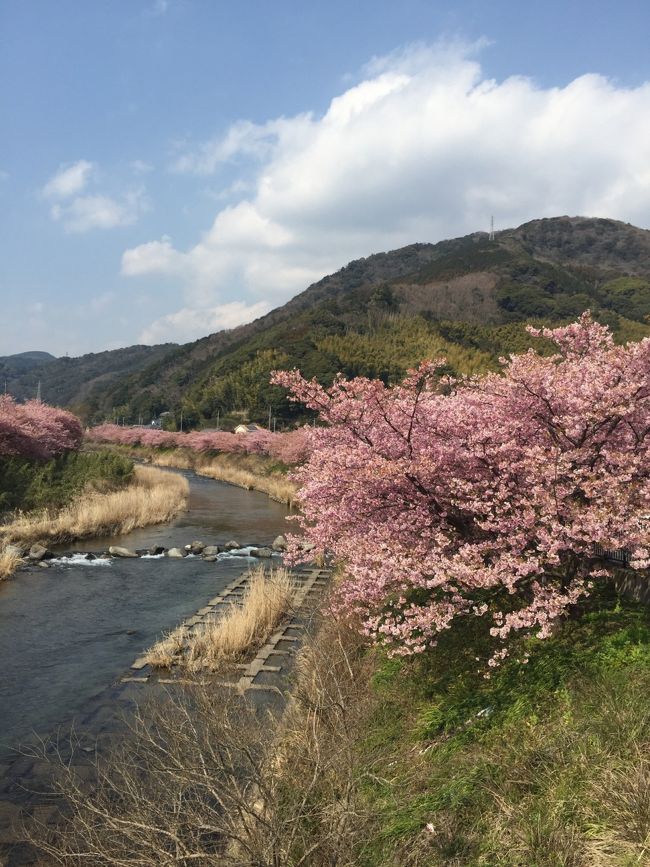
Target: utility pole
{"type": "Point", "coordinates": [269, 418]}
{"type": "Point", "coordinates": [181, 421]}
{"type": "Point", "coordinates": [217, 419]}
{"type": "Point", "coordinates": [492, 228]}
{"type": "Point", "coordinates": [38, 392]}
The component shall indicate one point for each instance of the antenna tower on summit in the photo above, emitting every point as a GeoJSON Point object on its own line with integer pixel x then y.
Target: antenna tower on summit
{"type": "Point", "coordinates": [492, 228]}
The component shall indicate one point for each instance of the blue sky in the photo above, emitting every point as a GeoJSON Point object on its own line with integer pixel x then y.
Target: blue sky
{"type": "Point", "coordinates": [172, 167]}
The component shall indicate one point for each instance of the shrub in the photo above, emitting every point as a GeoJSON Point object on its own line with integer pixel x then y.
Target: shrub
{"type": "Point", "coordinates": [27, 484]}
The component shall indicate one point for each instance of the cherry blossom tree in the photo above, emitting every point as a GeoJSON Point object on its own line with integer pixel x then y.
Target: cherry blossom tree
{"type": "Point", "coordinates": [290, 446]}
{"type": "Point", "coordinates": [35, 430]}
{"type": "Point", "coordinates": [480, 497]}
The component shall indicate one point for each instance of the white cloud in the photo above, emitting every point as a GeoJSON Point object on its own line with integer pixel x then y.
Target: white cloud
{"type": "Point", "coordinates": [140, 167]}
{"type": "Point", "coordinates": [422, 148]}
{"type": "Point", "coordinates": [80, 210]}
{"type": "Point", "coordinates": [154, 257]}
{"type": "Point", "coordinates": [68, 180]}
{"type": "Point", "coordinates": [84, 213]}
{"type": "Point", "coordinates": [188, 324]}
{"type": "Point", "coordinates": [242, 139]}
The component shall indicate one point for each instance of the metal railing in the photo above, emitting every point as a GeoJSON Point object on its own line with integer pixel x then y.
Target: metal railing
{"type": "Point", "coordinates": [616, 555]}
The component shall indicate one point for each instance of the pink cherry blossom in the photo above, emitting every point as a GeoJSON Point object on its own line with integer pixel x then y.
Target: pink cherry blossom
{"type": "Point", "coordinates": [480, 497]}
{"type": "Point", "coordinates": [35, 430]}
{"type": "Point", "coordinates": [289, 447]}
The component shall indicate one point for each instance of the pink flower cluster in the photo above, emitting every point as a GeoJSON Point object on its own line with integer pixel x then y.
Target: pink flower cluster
{"type": "Point", "coordinates": [35, 430]}
{"type": "Point", "coordinates": [480, 497]}
{"type": "Point", "coordinates": [290, 447]}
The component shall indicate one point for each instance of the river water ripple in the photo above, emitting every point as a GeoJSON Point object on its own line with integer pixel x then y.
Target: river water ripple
{"type": "Point", "coordinates": [68, 632]}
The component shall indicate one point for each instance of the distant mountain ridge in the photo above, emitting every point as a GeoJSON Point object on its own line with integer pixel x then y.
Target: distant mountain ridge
{"type": "Point", "coordinates": [466, 298]}
{"type": "Point", "coordinates": [22, 361]}
{"type": "Point", "coordinates": [35, 356]}
{"type": "Point", "coordinates": [74, 382]}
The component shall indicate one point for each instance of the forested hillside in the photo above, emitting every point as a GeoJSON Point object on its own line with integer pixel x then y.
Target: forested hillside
{"type": "Point", "coordinates": [467, 299]}
{"type": "Point", "coordinates": [78, 383]}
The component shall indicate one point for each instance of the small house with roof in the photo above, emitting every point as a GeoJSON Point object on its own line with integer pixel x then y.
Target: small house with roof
{"type": "Point", "coordinates": [248, 428]}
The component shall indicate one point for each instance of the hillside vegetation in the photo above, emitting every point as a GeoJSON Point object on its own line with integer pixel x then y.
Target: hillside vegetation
{"type": "Point", "coordinates": [79, 383]}
{"type": "Point", "coordinates": [467, 299]}
{"type": "Point", "coordinates": [544, 763]}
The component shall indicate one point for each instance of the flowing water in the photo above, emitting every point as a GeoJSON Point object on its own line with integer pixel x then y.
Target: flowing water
{"type": "Point", "coordinates": [69, 631]}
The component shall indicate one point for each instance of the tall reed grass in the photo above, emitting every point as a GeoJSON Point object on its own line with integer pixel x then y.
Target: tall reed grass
{"type": "Point", "coordinates": [154, 497]}
{"type": "Point", "coordinates": [276, 486]}
{"type": "Point", "coordinates": [9, 562]}
{"type": "Point", "coordinates": [252, 472]}
{"type": "Point", "coordinates": [266, 600]}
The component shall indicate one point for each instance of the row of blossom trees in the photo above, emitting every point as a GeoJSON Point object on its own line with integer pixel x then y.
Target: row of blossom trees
{"type": "Point", "coordinates": [290, 447]}
{"type": "Point", "coordinates": [482, 497]}
{"type": "Point", "coordinates": [36, 431]}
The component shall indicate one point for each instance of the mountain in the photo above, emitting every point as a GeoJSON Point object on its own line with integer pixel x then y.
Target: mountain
{"type": "Point", "coordinates": [79, 383]}
{"type": "Point", "coordinates": [467, 298]}
{"type": "Point", "coordinates": [22, 361]}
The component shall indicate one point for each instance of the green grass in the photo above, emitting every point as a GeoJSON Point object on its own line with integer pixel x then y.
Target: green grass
{"type": "Point", "coordinates": [28, 485]}
{"type": "Point", "coordinates": [544, 763]}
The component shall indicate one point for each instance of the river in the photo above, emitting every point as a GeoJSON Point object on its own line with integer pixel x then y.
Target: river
{"type": "Point", "coordinates": [68, 632]}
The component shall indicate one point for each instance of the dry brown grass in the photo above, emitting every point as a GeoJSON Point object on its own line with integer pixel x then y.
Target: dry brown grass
{"type": "Point", "coordinates": [205, 778]}
{"type": "Point", "coordinates": [252, 472]}
{"type": "Point", "coordinates": [276, 486]}
{"type": "Point", "coordinates": [9, 562]}
{"type": "Point", "coordinates": [153, 498]}
{"type": "Point", "coordinates": [167, 651]}
{"type": "Point", "coordinates": [177, 459]}
{"type": "Point", "coordinates": [266, 600]}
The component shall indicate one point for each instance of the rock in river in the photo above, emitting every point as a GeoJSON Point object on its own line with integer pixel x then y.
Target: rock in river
{"type": "Point", "coordinates": [261, 552]}
{"type": "Point", "coordinates": [116, 551]}
{"type": "Point", "coordinates": [176, 553]}
{"type": "Point", "coordinates": [210, 551]}
{"type": "Point", "coordinates": [230, 546]}
{"type": "Point", "coordinates": [279, 544]}
{"type": "Point", "coordinates": [39, 552]}
{"type": "Point", "coordinates": [14, 550]}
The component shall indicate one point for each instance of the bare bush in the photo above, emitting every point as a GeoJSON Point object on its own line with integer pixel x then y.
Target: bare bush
{"type": "Point", "coordinates": [204, 781]}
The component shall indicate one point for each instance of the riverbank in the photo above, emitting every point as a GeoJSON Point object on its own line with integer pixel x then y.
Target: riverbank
{"type": "Point", "coordinates": [382, 762]}
{"type": "Point", "coordinates": [153, 497]}
{"type": "Point", "coordinates": [429, 761]}
{"type": "Point", "coordinates": [251, 472]}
